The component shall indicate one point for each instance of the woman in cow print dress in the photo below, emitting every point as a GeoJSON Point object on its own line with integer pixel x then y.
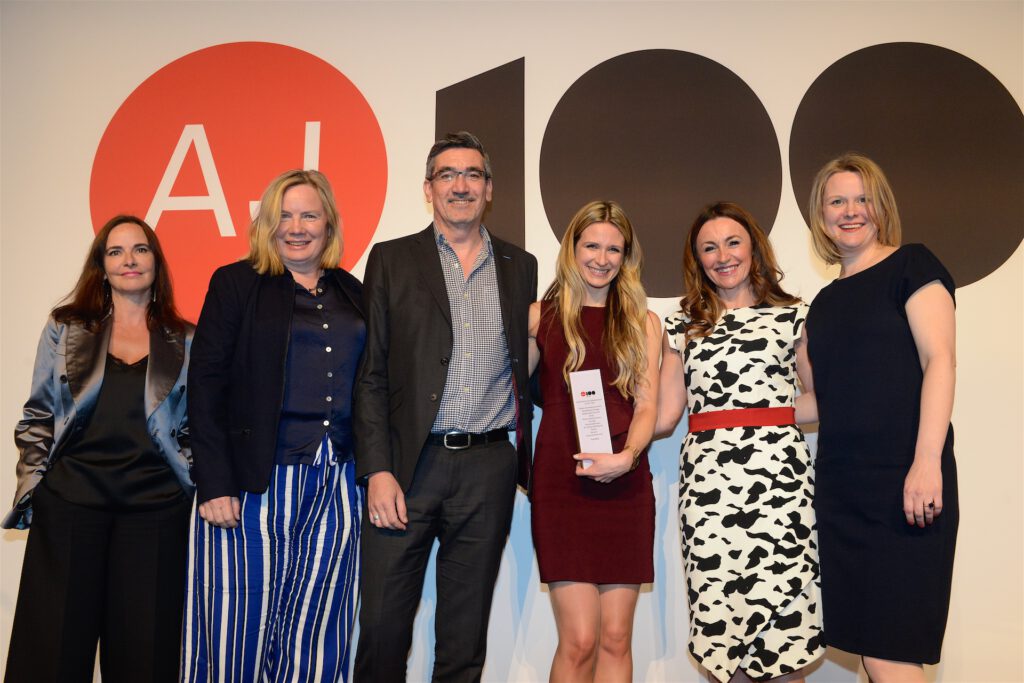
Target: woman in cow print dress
{"type": "Point", "coordinates": [732, 354]}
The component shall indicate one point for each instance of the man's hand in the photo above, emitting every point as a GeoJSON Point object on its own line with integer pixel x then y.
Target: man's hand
{"type": "Point", "coordinates": [385, 502]}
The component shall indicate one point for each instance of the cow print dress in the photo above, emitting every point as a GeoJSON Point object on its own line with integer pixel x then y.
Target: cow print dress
{"type": "Point", "coordinates": [745, 501]}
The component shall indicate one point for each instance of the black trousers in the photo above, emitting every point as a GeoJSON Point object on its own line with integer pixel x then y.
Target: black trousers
{"type": "Point", "coordinates": [464, 499]}
{"type": "Point", "coordinates": [90, 575]}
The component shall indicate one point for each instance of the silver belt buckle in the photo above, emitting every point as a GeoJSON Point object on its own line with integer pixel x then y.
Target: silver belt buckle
{"type": "Point", "coordinates": [456, 447]}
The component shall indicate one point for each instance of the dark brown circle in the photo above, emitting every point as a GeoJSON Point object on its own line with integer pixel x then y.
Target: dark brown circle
{"type": "Point", "coordinates": [664, 133]}
{"type": "Point", "coordinates": [947, 134]}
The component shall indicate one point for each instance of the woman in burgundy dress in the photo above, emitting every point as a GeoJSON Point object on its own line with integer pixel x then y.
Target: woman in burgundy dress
{"type": "Point", "coordinates": [593, 513]}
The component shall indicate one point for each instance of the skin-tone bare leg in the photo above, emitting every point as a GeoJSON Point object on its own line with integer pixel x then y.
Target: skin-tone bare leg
{"type": "Point", "coordinates": [615, 649]}
{"type": "Point", "coordinates": [595, 632]}
{"type": "Point", "coordinates": [577, 608]}
{"type": "Point", "coordinates": [888, 671]}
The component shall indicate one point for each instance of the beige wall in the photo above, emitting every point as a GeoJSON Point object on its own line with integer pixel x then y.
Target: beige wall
{"type": "Point", "coordinates": [66, 67]}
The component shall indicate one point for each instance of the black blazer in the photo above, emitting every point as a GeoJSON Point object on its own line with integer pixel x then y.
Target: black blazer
{"type": "Point", "coordinates": [236, 377]}
{"type": "Point", "coordinates": [409, 343]}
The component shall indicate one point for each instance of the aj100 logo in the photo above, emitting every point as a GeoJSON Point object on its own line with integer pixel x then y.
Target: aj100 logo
{"type": "Point", "coordinates": [662, 131]}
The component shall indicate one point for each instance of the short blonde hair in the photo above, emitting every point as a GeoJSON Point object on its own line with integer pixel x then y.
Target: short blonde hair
{"type": "Point", "coordinates": [263, 254]}
{"type": "Point", "coordinates": [881, 203]}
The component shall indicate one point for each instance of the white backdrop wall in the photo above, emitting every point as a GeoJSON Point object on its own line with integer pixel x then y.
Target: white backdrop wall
{"type": "Point", "coordinates": [65, 68]}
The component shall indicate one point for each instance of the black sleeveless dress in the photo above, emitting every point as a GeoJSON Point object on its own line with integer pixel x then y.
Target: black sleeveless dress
{"type": "Point", "coordinates": [884, 583]}
{"type": "Point", "coordinates": [584, 530]}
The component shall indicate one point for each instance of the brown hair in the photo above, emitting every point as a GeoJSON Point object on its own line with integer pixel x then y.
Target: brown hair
{"type": "Point", "coordinates": [90, 302]}
{"type": "Point", "coordinates": [700, 303]}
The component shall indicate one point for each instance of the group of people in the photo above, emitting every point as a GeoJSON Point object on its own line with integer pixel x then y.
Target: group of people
{"type": "Point", "coordinates": [335, 430]}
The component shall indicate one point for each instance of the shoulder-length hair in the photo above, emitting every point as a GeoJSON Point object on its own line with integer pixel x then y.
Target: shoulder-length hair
{"type": "Point", "coordinates": [90, 301]}
{"type": "Point", "coordinates": [881, 203]}
{"type": "Point", "coordinates": [625, 324]}
{"type": "Point", "coordinates": [700, 303]}
{"type": "Point", "coordinates": [263, 254]}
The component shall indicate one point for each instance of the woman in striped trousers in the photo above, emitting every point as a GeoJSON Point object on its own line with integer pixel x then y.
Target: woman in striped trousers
{"type": "Point", "coordinates": [274, 548]}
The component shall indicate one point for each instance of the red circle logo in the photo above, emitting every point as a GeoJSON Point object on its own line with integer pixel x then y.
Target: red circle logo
{"type": "Point", "coordinates": [193, 147]}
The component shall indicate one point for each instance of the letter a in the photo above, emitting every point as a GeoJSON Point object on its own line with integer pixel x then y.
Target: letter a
{"type": "Point", "coordinates": [192, 134]}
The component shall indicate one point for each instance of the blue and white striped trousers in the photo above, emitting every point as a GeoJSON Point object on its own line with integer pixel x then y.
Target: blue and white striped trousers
{"type": "Point", "coordinates": [274, 599]}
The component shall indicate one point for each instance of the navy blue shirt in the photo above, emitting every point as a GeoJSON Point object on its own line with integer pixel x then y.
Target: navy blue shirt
{"type": "Point", "coordinates": [326, 343]}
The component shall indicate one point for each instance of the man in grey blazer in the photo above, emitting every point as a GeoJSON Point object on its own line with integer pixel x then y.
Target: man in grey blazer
{"type": "Point", "coordinates": [443, 382]}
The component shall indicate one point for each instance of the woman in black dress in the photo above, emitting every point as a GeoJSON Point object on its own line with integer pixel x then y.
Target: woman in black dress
{"type": "Point", "coordinates": [103, 474]}
{"type": "Point", "coordinates": [881, 340]}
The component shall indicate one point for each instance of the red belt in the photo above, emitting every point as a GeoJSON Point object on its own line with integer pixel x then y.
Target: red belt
{"type": "Point", "coordinates": [741, 417]}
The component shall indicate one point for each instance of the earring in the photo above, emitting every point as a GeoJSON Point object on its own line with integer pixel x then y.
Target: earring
{"type": "Point", "coordinates": [154, 294]}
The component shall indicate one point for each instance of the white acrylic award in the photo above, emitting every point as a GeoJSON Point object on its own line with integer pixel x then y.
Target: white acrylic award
{"type": "Point", "coordinates": [592, 432]}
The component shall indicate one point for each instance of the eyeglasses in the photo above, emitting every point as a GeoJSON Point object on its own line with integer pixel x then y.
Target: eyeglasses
{"type": "Point", "coordinates": [472, 175]}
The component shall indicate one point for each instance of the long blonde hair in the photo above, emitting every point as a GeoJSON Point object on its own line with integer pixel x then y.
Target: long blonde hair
{"type": "Point", "coordinates": [262, 252]}
{"type": "Point", "coordinates": [624, 337]}
{"type": "Point", "coordinates": [700, 303]}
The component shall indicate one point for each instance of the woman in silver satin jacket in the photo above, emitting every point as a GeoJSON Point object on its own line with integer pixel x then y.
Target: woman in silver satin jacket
{"type": "Point", "coordinates": [103, 474]}
{"type": "Point", "coordinates": [65, 384]}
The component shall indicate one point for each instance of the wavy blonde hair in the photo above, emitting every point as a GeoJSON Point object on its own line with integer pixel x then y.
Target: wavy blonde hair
{"type": "Point", "coordinates": [263, 253]}
{"type": "Point", "coordinates": [624, 336]}
{"type": "Point", "coordinates": [700, 303]}
{"type": "Point", "coordinates": [881, 203]}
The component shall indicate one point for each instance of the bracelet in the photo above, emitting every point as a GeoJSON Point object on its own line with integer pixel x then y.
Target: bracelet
{"type": "Point", "coordinates": [636, 456]}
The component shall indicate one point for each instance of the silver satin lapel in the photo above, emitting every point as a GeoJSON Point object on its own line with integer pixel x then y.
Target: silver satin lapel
{"type": "Point", "coordinates": [166, 355]}
{"type": "Point", "coordinates": [86, 360]}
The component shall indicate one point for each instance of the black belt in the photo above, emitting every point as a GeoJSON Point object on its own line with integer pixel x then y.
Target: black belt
{"type": "Point", "coordinates": [456, 441]}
